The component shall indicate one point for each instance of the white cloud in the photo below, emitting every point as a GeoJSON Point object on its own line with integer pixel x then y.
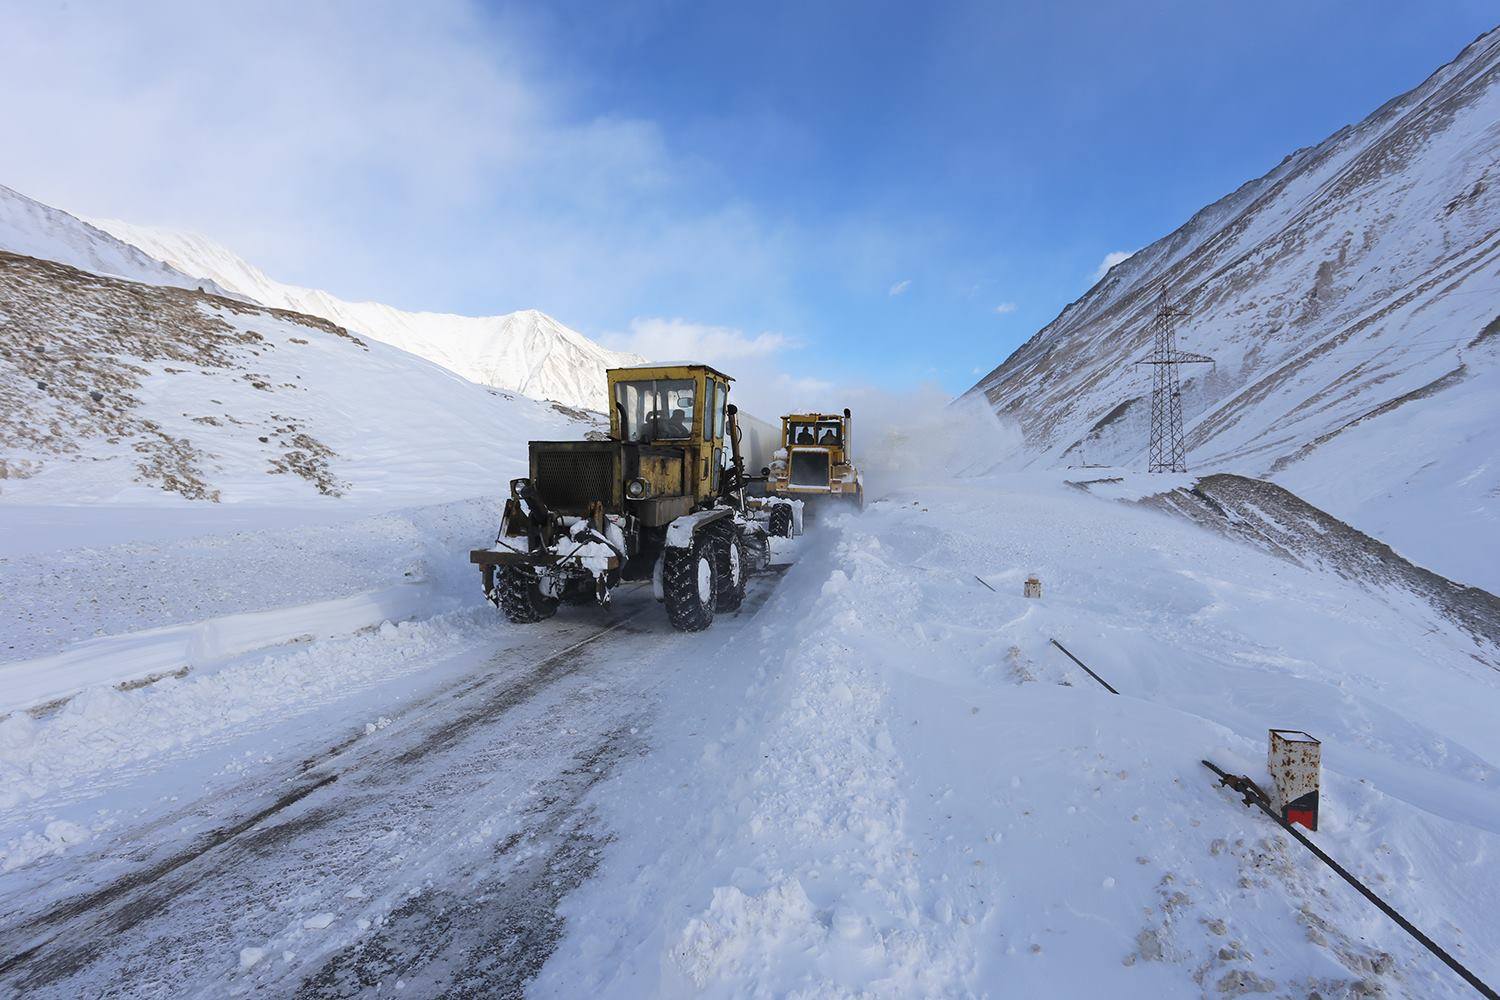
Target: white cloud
{"type": "Point", "coordinates": [426, 155]}
{"type": "Point", "coordinates": [763, 365]}
{"type": "Point", "coordinates": [659, 339]}
{"type": "Point", "coordinates": [900, 287]}
{"type": "Point", "coordinates": [1005, 308]}
{"type": "Point", "coordinates": [1110, 260]}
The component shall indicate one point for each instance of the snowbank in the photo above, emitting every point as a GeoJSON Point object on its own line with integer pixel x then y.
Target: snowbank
{"type": "Point", "coordinates": [900, 788]}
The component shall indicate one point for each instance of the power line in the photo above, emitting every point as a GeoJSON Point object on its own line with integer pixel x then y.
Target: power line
{"type": "Point", "coordinates": [1166, 387]}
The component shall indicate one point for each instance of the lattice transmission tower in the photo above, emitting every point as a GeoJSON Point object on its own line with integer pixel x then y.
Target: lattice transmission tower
{"type": "Point", "coordinates": [1166, 398]}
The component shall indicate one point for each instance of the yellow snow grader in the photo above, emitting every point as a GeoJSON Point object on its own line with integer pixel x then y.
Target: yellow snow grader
{"type": "Point", "coordinates": [813, 464]}
{"type": "Point", "coordinates": [663, 499]}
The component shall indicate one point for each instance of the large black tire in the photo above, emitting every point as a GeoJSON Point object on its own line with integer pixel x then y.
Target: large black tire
{"type": "Point", "coordinates": [521, 596]}
{"type": "Point", "coordinates": [690, 583]}
{"type": "Point", "coordinates": [734, 567]}
{"type": "Point", "coordinates": [781, 521]}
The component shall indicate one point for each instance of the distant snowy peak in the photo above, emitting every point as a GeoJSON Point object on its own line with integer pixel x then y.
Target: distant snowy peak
{"type": "Point", "coordinates": [527, 352]}
{"type": "Point", "coordinates": [33, 229]}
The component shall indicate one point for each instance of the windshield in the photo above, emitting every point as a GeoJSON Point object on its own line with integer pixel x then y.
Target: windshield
{"type": "Point", "coordinates": [655, 409]}
{"type": "Point", "coordinates": [824, 432]}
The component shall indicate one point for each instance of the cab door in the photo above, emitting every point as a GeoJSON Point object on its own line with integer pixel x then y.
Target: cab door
{"type": "Point", "coordinates": [716, 396]}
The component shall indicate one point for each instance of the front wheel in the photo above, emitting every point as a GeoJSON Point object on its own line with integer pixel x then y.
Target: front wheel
{"type": "Point", "coordinates": [690, 583]}
{"type": "Point", "coordinates": [733, 570]}
{"type": "Point", "coordinates": [781, 521]}
{"type": "Point", "coordinates": [521, 596]}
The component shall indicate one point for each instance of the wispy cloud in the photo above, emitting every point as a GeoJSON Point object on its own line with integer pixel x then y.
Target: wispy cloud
{"type": "Point", "coordinates": [659, 339]}
{"type": "Point", "coordinates": [1005, 308]}
{"type": "Point", "coordinates": [900, 287]}
{"type": "Point", "coordinates": [297, 138]}
{"type": "Point", "coordinates": [1110, 260]}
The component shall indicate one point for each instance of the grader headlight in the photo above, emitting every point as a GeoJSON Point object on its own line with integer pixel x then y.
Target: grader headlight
{"type": "Point", "coordinates": [638, 489]}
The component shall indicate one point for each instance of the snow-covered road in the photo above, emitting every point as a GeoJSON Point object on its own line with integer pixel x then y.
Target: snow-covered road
{"type": "Point", "coordinates": [419, 831]}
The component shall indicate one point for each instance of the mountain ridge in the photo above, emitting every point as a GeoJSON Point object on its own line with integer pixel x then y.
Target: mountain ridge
{"type": "Point", "coordinates": [525, 351]}
{"type": "Point", "coordinates": [1343, 295]}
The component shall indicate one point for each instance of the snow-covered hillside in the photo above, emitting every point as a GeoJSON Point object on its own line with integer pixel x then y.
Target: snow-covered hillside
{"type": "Point", "coordinates": [28, 227]}
{"type": "Point", "coordinates": [1349, 298]}
{"type": "Point", "coordinates": [115, 390]}
{"type": "Point", "coordinates": [527, 352]}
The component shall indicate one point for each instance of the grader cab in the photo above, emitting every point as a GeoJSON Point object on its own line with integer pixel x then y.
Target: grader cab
{"type": "Point", "coordinates": [814, 463]}
{"type": "Point", "coordinates": [662, 499]}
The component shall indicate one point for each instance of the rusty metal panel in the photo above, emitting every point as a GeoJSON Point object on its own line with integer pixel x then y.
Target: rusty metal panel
{"type": "Point", "coordinates": [662, 471]}
{"type": "Point", "coordinates": [1295, 760]}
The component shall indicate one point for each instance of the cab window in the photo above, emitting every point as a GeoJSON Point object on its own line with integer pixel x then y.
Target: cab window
{"type": "Point", "coordinates": [712, 395]}
{"type": "Point", "coordinates": [829, 433]}
{"type": "Point", "coordinates": [655, 409]}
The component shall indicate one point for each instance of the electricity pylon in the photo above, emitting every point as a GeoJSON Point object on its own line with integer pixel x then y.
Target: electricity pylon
{"type": "Point", "coordinates": [1166, 398]}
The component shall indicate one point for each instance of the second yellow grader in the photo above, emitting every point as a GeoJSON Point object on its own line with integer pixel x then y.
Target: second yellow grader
{"type": "Point", "coordinates": [814, 463]}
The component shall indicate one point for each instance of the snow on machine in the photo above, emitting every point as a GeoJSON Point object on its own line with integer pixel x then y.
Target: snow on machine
{"type": "Point", "coordinates": [813, 465]}
{"type": "Point", "coordinates": [662, 499]}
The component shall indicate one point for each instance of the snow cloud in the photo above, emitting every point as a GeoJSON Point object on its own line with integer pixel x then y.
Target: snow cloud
{"type": "Point", "coordinates": [1005, 308]}
{"type": "Point", "coordinates": [1110, 260]}
{"type": "Point", "coordinates": [900, 287]}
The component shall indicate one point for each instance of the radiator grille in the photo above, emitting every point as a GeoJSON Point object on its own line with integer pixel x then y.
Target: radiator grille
{"type": "Point", "coordinates": [810, 469]}
{"type": "Point", "coordinates": [571, 480]}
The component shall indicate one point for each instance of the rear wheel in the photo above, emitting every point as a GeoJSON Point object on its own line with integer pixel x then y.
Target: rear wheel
{"type": "Point", "coordinates": [521, 596]}
{"type": "Point", "coordinates": [690, 583]}
{"type": "Point", "coordinates": [733, 565]}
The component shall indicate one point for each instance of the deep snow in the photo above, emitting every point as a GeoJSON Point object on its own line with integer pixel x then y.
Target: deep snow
{"type": "Point", "coordinates": [882, 782]}
{"type": "Point", "coordinates": [903, 790]}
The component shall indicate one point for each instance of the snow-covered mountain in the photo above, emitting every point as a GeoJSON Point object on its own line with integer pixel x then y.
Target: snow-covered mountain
{"type": "Point", "coordinates": [114, 390]}
{"type": "Point", "coordinates": [35, 230]}
{"type": "Point", "coordinates": [527, 352]}
{"type": "Point", "coordinates": [1351, 300]}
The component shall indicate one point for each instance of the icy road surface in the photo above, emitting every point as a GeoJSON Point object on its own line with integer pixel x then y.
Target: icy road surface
{"type": "Point", "coordinates": [416, 835]}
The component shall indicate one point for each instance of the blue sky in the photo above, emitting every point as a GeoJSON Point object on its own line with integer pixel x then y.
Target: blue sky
{"type": "Point", "coordinates": [874, 193]}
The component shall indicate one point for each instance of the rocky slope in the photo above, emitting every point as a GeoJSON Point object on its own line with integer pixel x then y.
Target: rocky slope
{"type": "Point", "coordinates": [116, 390]}
{"type": "Point", "coordinates": [1349, 297]}
{"type": "Point", "coordinates": [527, 352]}
{"type": "Point", "coordinates": [35, 230]}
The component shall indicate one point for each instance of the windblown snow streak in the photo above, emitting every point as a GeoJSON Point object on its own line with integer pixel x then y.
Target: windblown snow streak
{"type": "Point", "coordinates": [1349, 297]}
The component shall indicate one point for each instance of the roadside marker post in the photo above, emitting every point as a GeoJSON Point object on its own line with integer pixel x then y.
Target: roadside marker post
{"type": "Point", "coordinates": [1295, 762]}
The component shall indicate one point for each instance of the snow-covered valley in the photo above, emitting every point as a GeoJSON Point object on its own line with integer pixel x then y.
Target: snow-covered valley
{"type": "Point", "coordinates": [262, 731]}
